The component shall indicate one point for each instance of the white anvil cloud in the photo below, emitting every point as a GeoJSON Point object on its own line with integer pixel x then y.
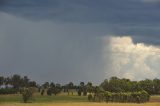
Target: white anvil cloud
{"type": "Point", "coordinates": [133, 61]}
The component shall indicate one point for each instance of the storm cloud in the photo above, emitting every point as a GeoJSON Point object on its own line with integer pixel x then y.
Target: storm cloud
{"type": "Point", "coordinates": [48, 50]}
{"type": "Point", "coordinates": [63, 40]}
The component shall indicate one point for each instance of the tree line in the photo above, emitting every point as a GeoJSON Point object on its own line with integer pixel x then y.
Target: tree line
{"type": "Point", "coordinates": [16, 82]}
{"type": "Point", "coordinates": [110, 90]}
{"type": "Point", "coordinates": [115, 84]}
{"type": "Point", "coordinates": [121, 97]}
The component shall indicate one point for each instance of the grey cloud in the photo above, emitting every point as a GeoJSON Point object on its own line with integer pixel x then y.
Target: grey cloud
{"type": "Point", "coordinates": [61, 40]}
{"type": "Point", "coordinates": [122, 17]}
{"type": "Point", "coordinates": [48, 51]}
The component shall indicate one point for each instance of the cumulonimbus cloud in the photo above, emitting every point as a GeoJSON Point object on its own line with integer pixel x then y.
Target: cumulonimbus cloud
{"type": "Point", "coordinates": [133, 61]}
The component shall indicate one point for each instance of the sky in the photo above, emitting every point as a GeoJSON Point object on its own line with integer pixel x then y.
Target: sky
{"type": "Point", "coordinates": [80, 40]}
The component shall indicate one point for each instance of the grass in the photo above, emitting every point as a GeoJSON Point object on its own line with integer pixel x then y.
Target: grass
{"type": "Point", "coordinates": [60, 98]}
{"type": "Point", "coordinates": [65, 100]}
{"type": "Point", "coordinates": [10, 98]}
{"type": "Point", "coordinates": [43, 99]}
{"type": "Point", "coordinates": [79, 104]}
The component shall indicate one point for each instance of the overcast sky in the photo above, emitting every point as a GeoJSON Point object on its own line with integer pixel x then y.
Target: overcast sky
{"type": "Point", "coordinates": [80, 40]}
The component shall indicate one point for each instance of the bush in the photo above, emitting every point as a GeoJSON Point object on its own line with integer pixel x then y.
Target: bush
{"type": "Point", "coordinates": [129, 97]}
{"type": "Point", "coordinates": [107, 96]}
{"type": "Point", "coordinates": [27, 95]}
{"type": "Point", "coordinates": [144, 96]}
{"type": "Point", "coordinates": [90, 97]}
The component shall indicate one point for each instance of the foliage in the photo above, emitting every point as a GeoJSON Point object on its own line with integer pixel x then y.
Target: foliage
{"type": "Point", "coordinates": [49, 91]}
{"type": "Point", "coordinates": [114, 84]}
{"type": "Point", "coordinates": [46, 85]}
{"type": "Point", "coordinates": [82, 88]}
{"type": "Point", "coordinates": [57, 89]}
{"type": "Point", "coordinates": [90, 97]}
{"type": "Point", "coordinates": [70, 88]}
{"type": "Point", "coordinates": [1, 80]}
{"type": "Point", "coordinates": [118, 85]}
{"type": "Point", "coordinates": [27, 94]}
{"type": "Point", "coordinates": [17, 82]}
{"type": "Point", "coordinates": [8, 91]}
{"type": "Point", "coordinates": [89, 87]}
{"type": "Point", "coordinates": [128, 97]}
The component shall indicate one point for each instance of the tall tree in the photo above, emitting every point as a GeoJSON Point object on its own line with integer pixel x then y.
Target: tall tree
{"type": "Point", "coordinates": [82, 84]}
{"type": "Point", "coordinates": [32, 84]}
{"type": "Point", "coordinates": [1, 80]}
{"type": "Point", "coordinates": [16, 81]}
{"type": "Point", "coordinates": [52, 85]}
{"type": "Point", "coordinates": [46, 85]}
{"type": "Point", "coordinates": [25, 81]}
{"type": "Point", "coordinates": [156, 84]}
{"type": "Point", "coordinates": [105, 85]}
{"type": "Point", "coordinates": [70, 88]}
{"type": "Point", "coordinates": [89, 87]}
{"type": "Point", "coordinates": [147, 85]}
{"type": "Point", "coordinates": [114, 85]}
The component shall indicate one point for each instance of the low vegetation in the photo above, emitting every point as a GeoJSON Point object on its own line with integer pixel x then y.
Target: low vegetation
{"type": "Point", "coordinates": [110, 91]}
{"type": "Point", "coordinates": [129, 97]}
{"type": "Point", "coordinates": [27, 94]}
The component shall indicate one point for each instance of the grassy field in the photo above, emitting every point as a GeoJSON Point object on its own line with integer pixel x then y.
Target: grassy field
{"type": "Point", "coordinates": [43, 99]}
{"type": "Point", "coordinates": [65, 100]}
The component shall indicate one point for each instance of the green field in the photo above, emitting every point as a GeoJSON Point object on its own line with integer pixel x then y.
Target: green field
{"type": "Point", "coordinates": [43, 99]}
{"type": "Point", "coordinates": [65, 100]}
{"type": "Point", "coordinates": [61, 98]}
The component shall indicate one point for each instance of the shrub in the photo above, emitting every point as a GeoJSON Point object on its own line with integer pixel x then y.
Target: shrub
{"type": "Point", "coordinates": [90, 97]}
{"type": "Point", "coordinates": [132, 97]}
{"type": "Point", "coordinates": [27, 94]}
{"type": "Point", "coordinates": [107, 96]}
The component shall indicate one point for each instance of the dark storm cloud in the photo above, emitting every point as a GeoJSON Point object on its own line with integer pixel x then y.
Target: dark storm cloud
{"type": "Point", "coordinates": [108, 11]}
{"type": "Point", "coordinates": [61, 39]}
{"type": "Point", "coordinates": [48, 51]}
{"type": "Point", "coordinates": [115, 14]}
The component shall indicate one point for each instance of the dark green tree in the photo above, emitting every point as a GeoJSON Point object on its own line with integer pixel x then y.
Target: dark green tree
{"type": "Point", "coordinates": [89, 87]}
{"type": "Point", "coordinates": [70, 88]}
{"type": "Point", "coordinates": [46, 85]}
{"type": "Point", "coordinates": [16, 81]}
{"type": "Point", "coordinates": [52, 85]}
{"type": "Point", "coordinates": [147, 85]}
{"type": "Point", "coordinates": [1, 80]}
{"type": "Point", "coordinates": [156, 86]}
